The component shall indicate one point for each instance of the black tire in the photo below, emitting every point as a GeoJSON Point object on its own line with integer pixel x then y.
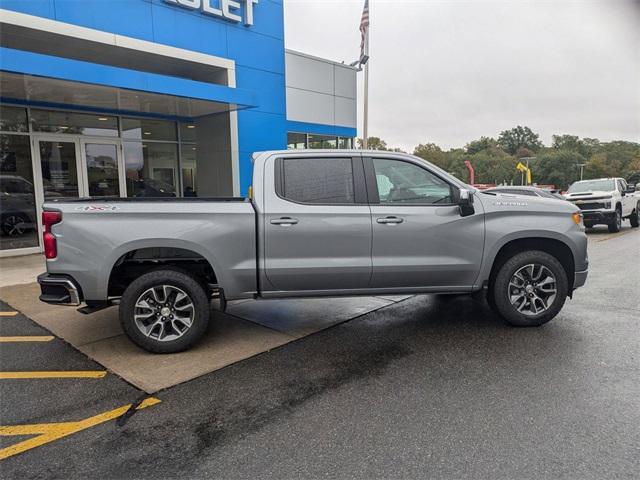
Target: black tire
{"type": "Point", "coordinates": [633, 219]}
{"type": "Point", "coordinates": [13, 224]}
{"type": "Point", "coordinates": [176, 281]}
{"type": "Point", "coordinates": [616, 223]}
{"type": "Point", "coordinates": [501, 294]}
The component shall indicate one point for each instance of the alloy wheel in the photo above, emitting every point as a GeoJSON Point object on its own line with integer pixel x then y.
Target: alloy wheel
{"type": "Point", "coordinates": [164, 313]}
{"type": "Point", "coordinates": [532, 289]}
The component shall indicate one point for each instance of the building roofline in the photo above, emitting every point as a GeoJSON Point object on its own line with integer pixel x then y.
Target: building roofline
{"type": "Point", "coordinates": [320, 59]}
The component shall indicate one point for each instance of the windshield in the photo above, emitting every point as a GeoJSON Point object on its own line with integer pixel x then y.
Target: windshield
{"type": "Point", "coordinates": [591, 185]}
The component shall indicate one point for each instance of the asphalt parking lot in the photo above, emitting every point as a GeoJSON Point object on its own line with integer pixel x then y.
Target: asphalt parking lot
{"type": "Point", "coordinates": [427, 387]}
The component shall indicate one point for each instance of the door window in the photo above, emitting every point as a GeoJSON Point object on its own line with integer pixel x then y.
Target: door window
{"type": "Point", "coordinates": [102, 170]}
{"type": "Point", "coordinates": [59, 170]}
{"type": "Point", "coordinates": [318, 180]}
{"type": "Point", "coordinates": [405, 183]}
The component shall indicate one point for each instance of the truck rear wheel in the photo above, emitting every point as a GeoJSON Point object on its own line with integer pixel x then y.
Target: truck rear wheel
{"type": "Point", "coordinates": [164, 311]}
{"type": "Point", "coordinates": [634, 217]}
{"type": "Point", "coordinates": [530, 289]}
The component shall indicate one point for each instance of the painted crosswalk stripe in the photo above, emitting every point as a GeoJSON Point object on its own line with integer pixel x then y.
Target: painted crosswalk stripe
{"type": "Point", "coordinates": [30, 338]}
{"type": "Point", "coordinates": [53, 374]}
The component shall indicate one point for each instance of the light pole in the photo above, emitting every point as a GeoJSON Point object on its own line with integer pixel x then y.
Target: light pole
{"type": "Point", "coordinates": [581, 165]}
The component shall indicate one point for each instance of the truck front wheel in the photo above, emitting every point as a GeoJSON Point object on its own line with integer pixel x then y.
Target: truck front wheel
{"type": "Point", "coordinates": [530, 289]}
{"type": "Point", "coordinates": [164, 311]}
{"type": "Point", "coordinates": [616, 222]}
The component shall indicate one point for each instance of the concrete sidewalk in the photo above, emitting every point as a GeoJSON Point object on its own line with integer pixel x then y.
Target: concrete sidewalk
{"type": "Point", "coordinates": [21, 270]}
{"type": "Point", "coordinates": [249, 327]}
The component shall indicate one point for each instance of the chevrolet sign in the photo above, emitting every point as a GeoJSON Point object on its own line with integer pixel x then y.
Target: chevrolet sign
{"type": "Point", "coordinates": [227, 9]}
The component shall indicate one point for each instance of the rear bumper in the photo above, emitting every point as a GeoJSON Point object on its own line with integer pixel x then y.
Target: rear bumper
{"type": "Point", "coordinates": [597, 216]}
{"type": "Point", "coordinates": [580, 279]}
{"type": "Point", "coordinates": [59, 289]}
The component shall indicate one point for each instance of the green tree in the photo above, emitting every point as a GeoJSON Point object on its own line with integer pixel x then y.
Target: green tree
{"type": "Point", "coordinates": [519, 137]}
{"type": "Point", "coordinates": [374, 143]}
{"type": "Point", "coordinates": [483, 143]}
{"type": "Point", "coordinates": [430, 152]}
{"type": "Point", "coordinates": [557, 167]}
{"type": "Point", "coordinates": [575, 144]}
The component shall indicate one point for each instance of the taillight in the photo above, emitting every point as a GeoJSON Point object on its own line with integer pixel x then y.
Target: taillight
{"type": "Point", "coordinates": [50, 218]}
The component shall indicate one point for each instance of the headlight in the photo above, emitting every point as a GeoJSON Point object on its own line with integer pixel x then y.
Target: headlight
{"type": "Point", "coordinates": [607, 204]}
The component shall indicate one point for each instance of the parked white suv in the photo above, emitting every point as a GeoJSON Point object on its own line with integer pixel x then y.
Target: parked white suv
{"type": "Point", "coordinates": [605, 201]}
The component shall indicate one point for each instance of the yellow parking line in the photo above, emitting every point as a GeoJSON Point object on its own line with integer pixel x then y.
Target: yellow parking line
{"type": "Point", "coordinates": [53, 374]}
{"type": "Point", "coordinates": [31, 338]}
{"type": "Point", "coordinates": [48, 432]}
{"type": "Point", "coordinates": [8, 314]}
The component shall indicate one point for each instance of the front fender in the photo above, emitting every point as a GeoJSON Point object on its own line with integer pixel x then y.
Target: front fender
{"type": "Point", "coordinates": [504, 228]}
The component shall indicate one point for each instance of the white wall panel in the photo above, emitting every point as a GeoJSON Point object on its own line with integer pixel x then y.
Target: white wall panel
{"type": "Point", "coordinates": [320, 91]}
{"type": "Point", "coordinates": [345, 112]}
{"type": "Point", "coordinates": [345, 82]}
{"type": "Point", "coordinates": [311, 107]}
{"type": "Point", "coordinates": [309, 74]}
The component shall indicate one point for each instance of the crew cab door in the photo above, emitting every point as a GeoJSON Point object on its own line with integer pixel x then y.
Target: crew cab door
{"type": "Point", "coordinates": [317, 224]}
{"type": "Point", "coordinates": [628, 200]}
{"type": "Point", "coordinates": [420, 238]}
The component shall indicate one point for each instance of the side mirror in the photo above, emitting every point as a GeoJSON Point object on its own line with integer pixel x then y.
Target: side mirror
{"type": "Point", "coordinates": [464, 199]}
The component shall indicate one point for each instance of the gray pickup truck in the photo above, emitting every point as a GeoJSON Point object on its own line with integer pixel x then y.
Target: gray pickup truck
{"type": "Point", "coordinates": [317, 223]}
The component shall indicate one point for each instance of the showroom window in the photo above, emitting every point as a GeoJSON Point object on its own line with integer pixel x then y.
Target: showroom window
{"type": "Point", "coordinates": [156, 161]}
{"type": "Point", "coordinates": [297, 141]}
{"type": "Point", "coordinates": [57, 121]}
{"type": "Point", "coordinates": [18, 215]}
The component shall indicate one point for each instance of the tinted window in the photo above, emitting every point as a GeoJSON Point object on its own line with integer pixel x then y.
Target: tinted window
{"type": "Point", "coordinates": [404, 182]}
{"type": "Point", "coordinates": [318, 180]}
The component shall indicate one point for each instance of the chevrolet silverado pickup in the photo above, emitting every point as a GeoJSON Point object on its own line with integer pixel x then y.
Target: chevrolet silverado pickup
{"type": "Point", "coordinates": [316, 223]}
{"type": "Point", "coordinates": [605, 201]}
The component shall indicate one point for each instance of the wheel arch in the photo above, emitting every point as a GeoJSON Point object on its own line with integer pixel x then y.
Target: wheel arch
{"type": "Point", "coordinates": [137, 258]}
{"type": "Point", "coordinates": [557, 248]}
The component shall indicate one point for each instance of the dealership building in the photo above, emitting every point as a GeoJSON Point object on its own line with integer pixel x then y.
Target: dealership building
{"type": "Point", "coordinates": [135, 98]}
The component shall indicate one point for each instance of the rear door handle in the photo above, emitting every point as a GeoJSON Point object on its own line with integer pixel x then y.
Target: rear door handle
{"type": "Point", "coordinates": [284, 221]}
{"type": "Point", "coordinates": [390, 220]}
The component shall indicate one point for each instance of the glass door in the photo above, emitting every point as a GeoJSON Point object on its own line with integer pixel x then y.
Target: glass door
{"type": "Point", "coordinates": [102, 165]}
{"type": "Point", "coordinates": [59, 167]}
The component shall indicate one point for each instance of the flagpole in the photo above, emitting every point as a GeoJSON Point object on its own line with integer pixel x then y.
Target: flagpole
{"type": "Point", "coordinates": [365, 125]}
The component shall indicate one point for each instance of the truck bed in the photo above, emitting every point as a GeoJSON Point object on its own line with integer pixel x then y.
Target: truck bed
{"type": "Point", "coordinates": [97, 234]}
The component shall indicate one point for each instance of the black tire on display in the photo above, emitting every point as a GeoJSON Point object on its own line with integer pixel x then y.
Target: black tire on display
{"type": "Point", "coordinates": [616, 223]}
{"type": "Point", "coordinates": [634, 217]}
{"type": "Point", "coordinates": [530, 289]}
{"type": "Point", "coordinates": [165, 311]}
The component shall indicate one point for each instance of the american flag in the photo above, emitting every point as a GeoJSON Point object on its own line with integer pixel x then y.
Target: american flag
{"type": "Point", "coordinates": [364, 26]}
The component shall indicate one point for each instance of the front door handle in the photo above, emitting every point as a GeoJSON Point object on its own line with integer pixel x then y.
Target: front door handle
{"type": "Point", "coordinates": [390, 220]}
{"type": "Point", "coordinates": [284, 221]}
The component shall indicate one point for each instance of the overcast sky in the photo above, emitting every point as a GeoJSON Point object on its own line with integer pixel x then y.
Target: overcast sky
{"type": "Point", "coordinates": [451, 71]}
